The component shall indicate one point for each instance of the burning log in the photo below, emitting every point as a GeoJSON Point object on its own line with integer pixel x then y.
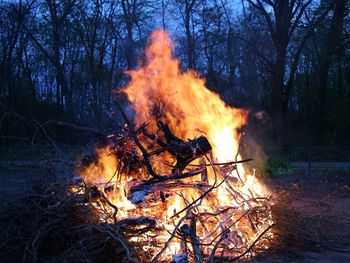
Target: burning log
{"type": "Point", "coordinates": [184, 152]}
{"type": "Point", "coordinates": [132, 225]}
{"type": "Point", "coordinates": [161, 190]}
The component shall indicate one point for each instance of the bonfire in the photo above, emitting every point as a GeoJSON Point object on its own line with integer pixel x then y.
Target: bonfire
{"type": "Point", "coordinates": [171, 186]}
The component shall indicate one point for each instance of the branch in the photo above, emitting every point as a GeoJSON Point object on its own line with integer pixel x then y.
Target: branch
{"type": "Point", "coordinates": [297, 19]}
{"type": "Point", "coordinates": [300, 48]}
{"type": "Point", "coordinates": [253, 244]}
{"type": "Point", "coordinates": [138, 143]}
{"type": "Point", "coordinates": [40, 46]}
{"type": "Point", "coordinates": [268, 63]}
{"type": "Point", "coordinates": [263, 11]}
{"type": "Point", "coordinates": [194, 241]}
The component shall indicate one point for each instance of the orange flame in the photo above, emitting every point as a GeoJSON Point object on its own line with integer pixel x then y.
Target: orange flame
{"type": "Point", "coordinates": [160, 90]}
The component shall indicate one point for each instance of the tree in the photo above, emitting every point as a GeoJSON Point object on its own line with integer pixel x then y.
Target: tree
{"type": "Point", "coordinates": [332, 47]}
{"type": "Point", "coordinates": [96, 26]}
{"type": "Point", "coordinates": [58, 13]}
{"type": "Point", "coordinates": [13, 45]}
{"type": "Point", "coordinates": [186, 10]}
{"type": "Point", "coordinates": [135, 14]}
{"type": "Point", "coordinates": [283, 18]}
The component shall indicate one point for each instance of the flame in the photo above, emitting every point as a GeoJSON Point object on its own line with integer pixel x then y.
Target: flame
{"type": "Point", "coordinates": [105, 167]}
{"type": "Point", "coordinates": [160, 90]}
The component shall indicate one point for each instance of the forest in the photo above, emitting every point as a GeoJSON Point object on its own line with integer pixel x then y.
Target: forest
{"type": "Point", "coordinates": [286, 61]}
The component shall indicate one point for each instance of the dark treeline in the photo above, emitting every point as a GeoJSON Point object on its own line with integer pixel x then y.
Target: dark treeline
{"type": "Point", "coordinates": [286, 60]}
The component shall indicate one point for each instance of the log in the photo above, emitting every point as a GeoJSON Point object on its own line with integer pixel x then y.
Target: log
{"type": "Point", "coordinates": [140, 192]}
{"type": "Point", "coordinates": [184, 151]}
{"type": "Point", "coordinates": [136, 225]}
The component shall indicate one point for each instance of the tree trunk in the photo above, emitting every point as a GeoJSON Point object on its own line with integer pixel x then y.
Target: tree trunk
{"type": "Point", "coordinates": [332, 43]}
{"type": "Point", "coordinates": [189, 36]}
{"type": "Point", "coordinates": [279, 98]}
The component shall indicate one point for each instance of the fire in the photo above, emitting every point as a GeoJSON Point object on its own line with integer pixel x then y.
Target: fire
{"type": "Point", "coordinates": [160, 91]}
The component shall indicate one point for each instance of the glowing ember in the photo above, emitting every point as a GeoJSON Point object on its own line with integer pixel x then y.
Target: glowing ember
{"type": "Point", "coordinates": [219, 211]}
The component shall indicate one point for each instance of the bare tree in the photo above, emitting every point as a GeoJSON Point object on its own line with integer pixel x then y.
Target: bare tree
{"type": "Point", "coordinates": [282, 18]}
{"type": "Point", "coordinates": [58, 13]}
{"type": "Point", "coordinates": [13, 45]}
{"type": "Point", "coordinates": [186, 10]}
{"type": "Point", "coordinates": [135, 13]}
{"type": "Point", "coordinates": [96, 27]}
{"type": "Point", "coordinates": [332, 47]}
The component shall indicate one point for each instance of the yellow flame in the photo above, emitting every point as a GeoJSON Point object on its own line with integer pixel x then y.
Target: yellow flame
{"type": "Point", "coordinates": [160, 90]}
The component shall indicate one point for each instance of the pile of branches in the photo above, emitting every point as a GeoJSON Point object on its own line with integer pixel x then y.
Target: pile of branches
{"type": "Point", "coordinates": [52, 225]}
{"type": "Point", "coordinates": [134, 155]}
{"type": "Point", "coordinates": [56, 224]}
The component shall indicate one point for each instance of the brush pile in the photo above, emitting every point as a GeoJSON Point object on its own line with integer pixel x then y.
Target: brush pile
{"type": "Point", "coordinates": [200, 210]}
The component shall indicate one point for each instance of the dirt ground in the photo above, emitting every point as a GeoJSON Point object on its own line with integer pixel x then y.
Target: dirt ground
{"type": "Point", "coordinates": [323, 196]}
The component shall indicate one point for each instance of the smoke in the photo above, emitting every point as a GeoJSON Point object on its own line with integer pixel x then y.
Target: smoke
{"type": "Point", "coordinates": [255, 141]}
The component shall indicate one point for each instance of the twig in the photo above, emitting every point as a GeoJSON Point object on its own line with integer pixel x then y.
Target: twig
{"type": "Point", "coordinates": [194, 241]}
{"type": "Point", "coordinates": [225, 163]}
{"type": "Point", "coordinates": [253, 244]}
{"type": "Point", "coordinates": [212, 254]}
{"type": "Point", "coordinates": [214, 186]}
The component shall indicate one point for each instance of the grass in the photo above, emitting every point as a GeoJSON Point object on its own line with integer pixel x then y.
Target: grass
{"type": "Point", "coordinates": [278, 167]}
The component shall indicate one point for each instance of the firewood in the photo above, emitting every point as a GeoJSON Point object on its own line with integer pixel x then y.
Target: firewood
{"type": "Point", "coordinates": [156, 188]}
{"type": "Point", "coordinates": [184, 151]}
{"type": "Point", "coordinates": [159, 191]}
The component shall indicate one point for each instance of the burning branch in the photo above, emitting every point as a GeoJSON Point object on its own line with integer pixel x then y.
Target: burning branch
{"type": "Point", "coordinates": [138, 143]}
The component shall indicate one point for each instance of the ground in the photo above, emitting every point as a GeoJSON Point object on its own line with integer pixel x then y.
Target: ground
{"type": "Point", "coordinates": [320, 196]}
